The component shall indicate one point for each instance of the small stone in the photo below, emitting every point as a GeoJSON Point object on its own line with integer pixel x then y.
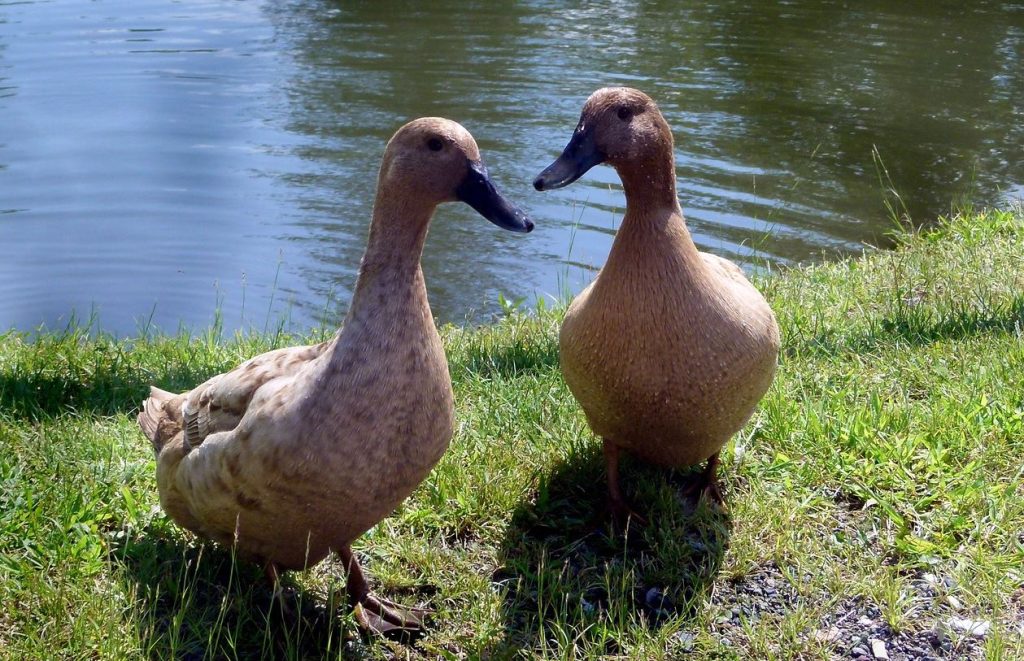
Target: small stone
{"type": "Point", "coordinates": [656, 600]}
{"type": "Point", "coordinates": [684, 640]}
{"type": "Point", "coordinates": [865, 621]}
{"type": "Point", "coordinates": [739, 451]}
{"type": "Point", "coordinates": [858, 651]}
{"type": "Point", "coordinates": [954, 602]}
{"type": "Point", "coordinates": [827, 637]}
{"type": "Point", "coordinates": [878, 649]}
{"type": "Point", "coordinates": [975, 628]}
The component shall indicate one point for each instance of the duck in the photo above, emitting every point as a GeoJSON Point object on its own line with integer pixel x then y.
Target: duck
{"type": "Point", "coordinates": [668, 350]}
{"type": "Point", "coordinates": [295, 453]}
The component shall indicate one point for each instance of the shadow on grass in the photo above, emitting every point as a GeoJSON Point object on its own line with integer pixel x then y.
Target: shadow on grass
{"type": "Point", "coordinates": [105, 380]}
{"type": "Point", "coordinates": [573, 582]}
{"type": "Point", "coordinates": [30, 396]}
{"type": "Point", "coordinates": [200, 601]}
{"type": "Point", "coordinates": [917, 326]}
{"type": "Point", "coordinates": [54, 385]}
{"type": "Point", "coordinates": [75, 372]}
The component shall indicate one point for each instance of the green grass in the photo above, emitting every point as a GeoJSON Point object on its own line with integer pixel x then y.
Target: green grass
{"type": "Point", "coordinates": [890, 448]}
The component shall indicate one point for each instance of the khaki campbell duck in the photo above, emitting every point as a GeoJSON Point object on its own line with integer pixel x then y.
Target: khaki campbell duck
{"type": "Point", "coordinates": [669, 350]}
{"type": "Point", "coordinates": [297, 452]}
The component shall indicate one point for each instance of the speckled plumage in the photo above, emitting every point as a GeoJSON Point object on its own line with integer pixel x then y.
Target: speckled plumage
{"type": "Point", "coordinates": [298, 451]}
{"type": "Point", "coordinates": [669, 350]}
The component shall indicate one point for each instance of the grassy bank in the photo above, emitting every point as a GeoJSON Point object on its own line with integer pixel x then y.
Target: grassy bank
{"type": "Point", "coordinates": [875, 495]}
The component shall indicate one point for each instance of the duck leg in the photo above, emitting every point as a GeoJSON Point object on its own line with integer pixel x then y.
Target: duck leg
{"type": "Point", "coordinates": [620, 509]}
{"type": "Point", "coordinates": [376, 615]}
{"type": "Point", "coordinates": [705, 485]}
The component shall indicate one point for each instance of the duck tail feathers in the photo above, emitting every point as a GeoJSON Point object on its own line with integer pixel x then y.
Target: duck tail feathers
{"type": "Point", "coordinates": [151, 414]}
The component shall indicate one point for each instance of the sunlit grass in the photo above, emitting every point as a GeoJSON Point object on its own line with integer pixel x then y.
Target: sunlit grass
{"type": "Point", "coordinates": [889, 450]}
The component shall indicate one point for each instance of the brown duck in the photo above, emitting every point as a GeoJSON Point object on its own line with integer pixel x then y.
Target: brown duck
{"type": "Point", "coordinates": [670, 349]}
{"type": "Point", "coordinates": [297, 452]}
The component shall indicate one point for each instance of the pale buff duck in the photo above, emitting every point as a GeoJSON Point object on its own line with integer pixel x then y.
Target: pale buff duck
{"type": "Point", "coordinates": [668, 350]}
{"type": "Point", "coordinates": [297, 452]}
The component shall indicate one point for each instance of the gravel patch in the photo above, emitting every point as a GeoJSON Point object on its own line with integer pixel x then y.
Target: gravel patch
{"type": "Point", "coordinates": [854, 629]}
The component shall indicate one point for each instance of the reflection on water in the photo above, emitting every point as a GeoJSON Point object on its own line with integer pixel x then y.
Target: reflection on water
{"type": "Point", "coordinates": [165, 160]}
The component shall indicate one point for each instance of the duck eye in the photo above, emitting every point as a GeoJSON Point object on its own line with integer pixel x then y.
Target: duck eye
{"type": "Point", "coordinates": [434, 144]}
{"type": "Point", "coordinates": [625, 113]}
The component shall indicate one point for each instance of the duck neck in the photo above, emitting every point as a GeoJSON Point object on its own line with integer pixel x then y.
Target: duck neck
{"type": "Point", "coordinates": [390, 284]}
{"type": "Point", "coordinates": [650, 186]}
{"type": "Point", "coordinates": [653, 223]}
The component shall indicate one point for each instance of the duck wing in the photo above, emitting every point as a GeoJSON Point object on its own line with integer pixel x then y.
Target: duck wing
{"type": "Point", "coordinates": [220, 403]}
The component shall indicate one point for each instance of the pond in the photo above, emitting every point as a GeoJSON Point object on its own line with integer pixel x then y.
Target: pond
{"type": "Point", "coordinates": [165, 164]}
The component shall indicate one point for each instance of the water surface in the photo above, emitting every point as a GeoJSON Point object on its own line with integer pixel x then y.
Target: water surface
{"type": "Point", "coordinates": [160, 161]}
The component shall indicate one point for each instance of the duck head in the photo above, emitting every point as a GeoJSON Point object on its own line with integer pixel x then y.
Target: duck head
{"type": "Point", "coordinates": [620, 126]}
{"type": "Point", "coordinates": [435, 160]}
